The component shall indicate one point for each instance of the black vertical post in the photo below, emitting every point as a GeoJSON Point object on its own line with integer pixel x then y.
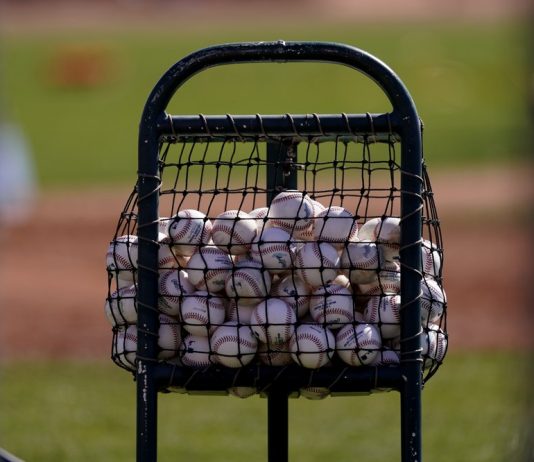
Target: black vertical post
{"type": "Point", "coordinates": [280, 174]}
{"type": "Point", "coordinates": [147, 297]}
{"type": "Point", "coordinates": [410, 254]}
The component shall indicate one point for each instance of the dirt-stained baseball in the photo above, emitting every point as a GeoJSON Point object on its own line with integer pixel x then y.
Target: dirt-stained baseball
{"type": "Point", "coordinates": [291, 210]}
{"type": "Point", "coordinates": [121, 306]}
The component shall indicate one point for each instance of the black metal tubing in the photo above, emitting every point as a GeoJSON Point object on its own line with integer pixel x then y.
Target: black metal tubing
{"type": "Point", "coordinates": [406, 120]}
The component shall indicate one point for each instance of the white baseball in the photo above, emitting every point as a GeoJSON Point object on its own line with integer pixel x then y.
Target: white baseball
{"type": "Point", "coordinates": [188, 229]}
{"type": "Point", "coordinates": [434, 345]}
{"type": "Point", "coordinates": [233, 345]}
{"type": "Point", "coordinates": [358, 344]}
{"type": "Point", "coordinates": [384, 312]}
{"type": "Point", "coordinates": [248, 282]}
{"type": "Point", "coordinates": [169, 337]}
{"type": "Point", "coordinates": [360, 262]}
{"type": "Point", "coordinates": [124, 348]}
{"type": "Point", "coordinates": [312, 346]}
{"type": "Point", "coordinates": [386, 357]}
{"type": "Point", "coordinates": [173, 285]}
{"type": "Point", "coordinates": [195, 351]}
{"type": "Point", "coordinates": [238, 312]}
{"type": "Point", "coordinates": [260, 217]}
{"type": "Point", "coordinates": [433, 301]}
{"type": "Point", "coordinates": [275, 355]}
{"type": "Point", "coordinates": [335, 225]}
{"type": "Point", "coordinates": [121, 257]}
{"type": "Point", "coordinates": [291, 210]}
{"type": "Point", "coordinates": [431, 256]}
{"type": "Point", "coordinates": [166, 257]}
{"type": "Point", "coordinates": [208, 268]}
{"type": "Point", "coordinates": [332, 305]}
{"type": "Point", "coordinates": [317, 263]}
{"type": "Point", "coordinates": [274, 250]}
{"type": "Point", "coordinates": [121, 306]}
{"type": "Point", "coordinates": [381, 230]}
{"type": "Point", "coordinates": [233, 231]}
{"type": "Point", "coordinates": [388, 281]}
{"type": "Point", "coordinates": [273, 321]}
{"type": "Point", "coordinates": [201, 313]}
{"type": "Point", "coordinates": [295, 292]}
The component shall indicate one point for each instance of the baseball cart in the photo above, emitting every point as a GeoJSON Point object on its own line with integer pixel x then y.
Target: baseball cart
{"type": "Point", "coordinates": [289, 255]}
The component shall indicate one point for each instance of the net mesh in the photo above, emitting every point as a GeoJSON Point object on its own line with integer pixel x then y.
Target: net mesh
{"type": "Point", "coordinates": [278, 259]}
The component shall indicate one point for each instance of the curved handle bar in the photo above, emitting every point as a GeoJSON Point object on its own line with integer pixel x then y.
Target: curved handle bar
{"type": "Point", "coordinates": [278, 52]}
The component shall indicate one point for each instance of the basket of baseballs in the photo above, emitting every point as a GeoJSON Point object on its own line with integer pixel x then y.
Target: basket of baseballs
{"type": "Point", "coordinates": [295, 282]}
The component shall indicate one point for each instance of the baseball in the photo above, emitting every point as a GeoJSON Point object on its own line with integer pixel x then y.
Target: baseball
{"type": "Point", "coordinates": [124, 348]}
{"type": "Point", "coordinates": [233, 346]}
{"type": "Point", "coordinates": [273, 321]}
{"type": "Point", "coordinates": [291, 210]}
{"type": "Point", "coordinates": [275, 355]}
{"type": "Point", "coordinates": [173, 285]}
{"type": "Point", "coordinates": [314, 392]}
{"type": "Point", "coordinates": [312, 346]}
{"type": "Point", "coordinates": [384, 312]}
{"type": "Point", "coordinates": [332, 305]}
{"type": "Point", "coordinates": [433, 301]}
{"type": "Point", "coordinates": [381, 229]}
{"type": "Point", "coordinates": [260, 217]}
{"type": "Point", "coordinates": [335, 225]}
{"type": "Point", "coordinates": [387, 282]}
{"type": "Point", "coordinates": [248, 282]}
{"type": "Point", "coordinates": [169, 337]}
{"type": "Point", "coordinates": [188, 229]}
{"type": "Point", "coordinates": [121, 307]}
{"type": "Point", "coordinates": [317, 263]}
{"type": "Point", "coordinates": [386, 357]}
{"type": "Point", "coordinates": [233, 231]}
{"type": "Point", "coordinates": [166, 258]}
{"type": "Point", "coordinates": [358, 344]}
{"type": "Point", "coordinates": [431, 256]}
{"type": "Point", "coordinates": [201, 313]}
{"type": "Point", "coordinates": [295, 292]}
{"type": "Point", "coordinates": [208, 268]}
{"type": "Point", "coordinates": [121, 257]}
{"type": "Point", "coordinates": [274, 250]}
{"type": "Point", "coordinates": [434, 345]}
{"type": "Point", "coordinates": [238, 312]}
{"type": "Point", "coordinates": [360, 262]}
{"type": "Point", "coordinates": [195, 351]}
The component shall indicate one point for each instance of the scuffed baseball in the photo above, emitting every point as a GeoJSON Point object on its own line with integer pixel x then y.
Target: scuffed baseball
{"type": "Point", "coordinates": [275, 355]}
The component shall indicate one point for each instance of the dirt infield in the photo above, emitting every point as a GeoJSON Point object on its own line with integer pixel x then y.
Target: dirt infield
{"type": "Point", "coordinates": [53, 280]}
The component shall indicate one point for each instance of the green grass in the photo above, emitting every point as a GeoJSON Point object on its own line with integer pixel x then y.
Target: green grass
{"type": "Point", "coordinates": [474, 411]}
{"type": "Point", "coordinates": [469, 82]}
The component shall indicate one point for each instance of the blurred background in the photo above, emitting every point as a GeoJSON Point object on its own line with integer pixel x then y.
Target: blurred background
{"type": "Point", "coordinates": [74, 77]}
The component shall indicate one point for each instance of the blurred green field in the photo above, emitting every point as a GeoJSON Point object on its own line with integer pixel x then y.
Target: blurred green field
{"type": "Point", "coordinates": [474, 410]}
{"type": "Point", "coordinates": [469, 82]}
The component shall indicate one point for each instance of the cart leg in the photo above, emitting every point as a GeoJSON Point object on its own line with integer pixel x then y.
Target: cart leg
{"type": "Point", "coordinates": [277, 427]}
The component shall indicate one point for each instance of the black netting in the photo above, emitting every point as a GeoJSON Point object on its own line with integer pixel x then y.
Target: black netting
{"type": "Point", "coordinates": [312, 278]}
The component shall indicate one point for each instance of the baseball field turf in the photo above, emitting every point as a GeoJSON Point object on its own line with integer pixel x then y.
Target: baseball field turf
{"type": "Point", "coordinates": [469, 83]}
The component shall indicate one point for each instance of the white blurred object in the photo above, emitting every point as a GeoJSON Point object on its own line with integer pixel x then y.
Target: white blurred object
{"type": "Point", "coordinates": [17, 176]}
